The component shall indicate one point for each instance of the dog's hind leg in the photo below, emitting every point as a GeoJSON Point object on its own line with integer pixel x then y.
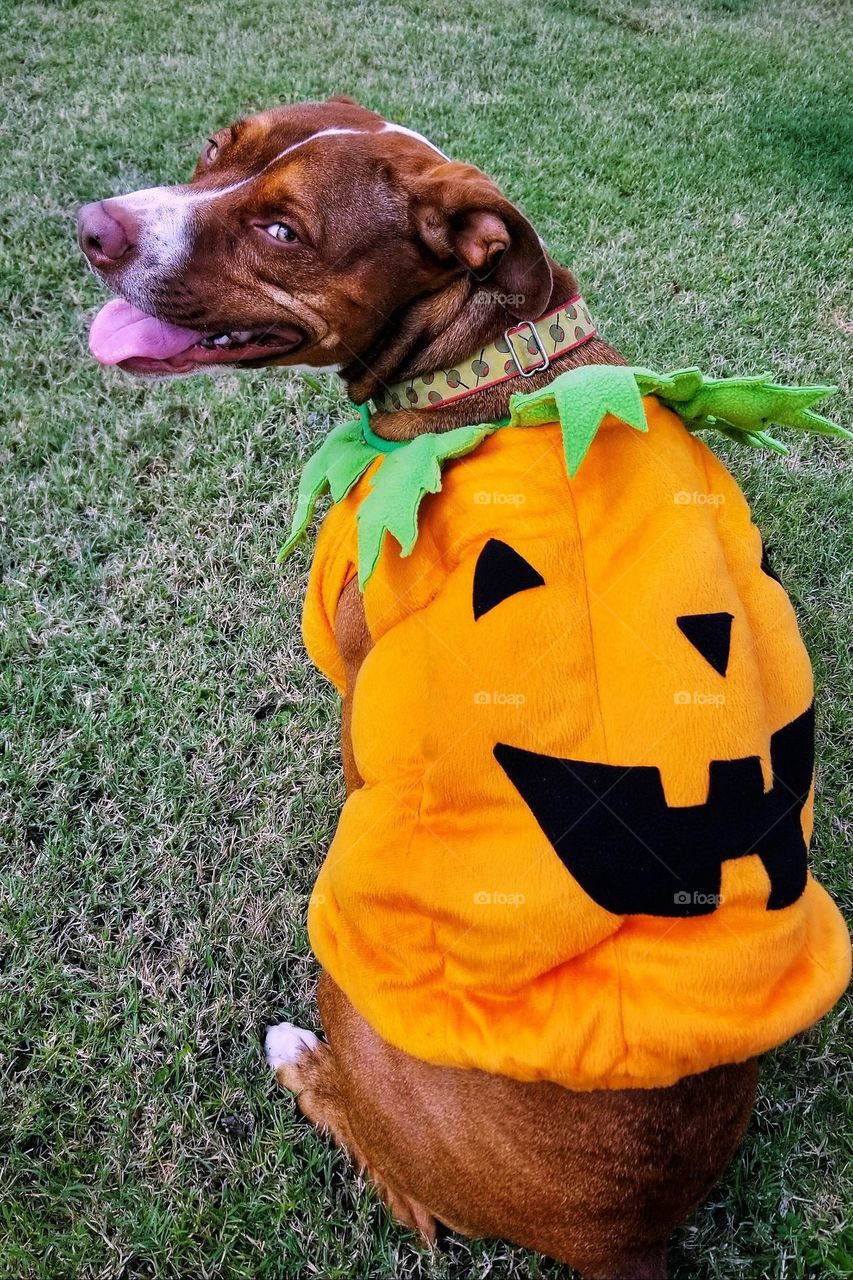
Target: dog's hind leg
{"type": "Point", "coordinates": [306, 1066]}
{"type": "Point", "coordinates": [294, 1055]}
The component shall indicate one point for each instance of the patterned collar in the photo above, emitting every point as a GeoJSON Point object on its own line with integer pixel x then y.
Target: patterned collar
{"type": "Point", "coordinates": [526, 348]}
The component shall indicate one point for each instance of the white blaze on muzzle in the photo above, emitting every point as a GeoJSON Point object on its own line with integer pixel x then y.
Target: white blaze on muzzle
{"type": "Point", "coordinates": [165, 214]}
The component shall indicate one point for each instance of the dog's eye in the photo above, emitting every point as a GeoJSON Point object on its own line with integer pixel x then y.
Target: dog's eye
{"type": "Point", "coordinates": [211, 151]}
{"type": "Point", "coordinates": [281, 231]}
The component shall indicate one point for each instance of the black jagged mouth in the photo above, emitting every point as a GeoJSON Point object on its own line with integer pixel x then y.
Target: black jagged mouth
{"type": "Point", "coordinates": [634, 854]}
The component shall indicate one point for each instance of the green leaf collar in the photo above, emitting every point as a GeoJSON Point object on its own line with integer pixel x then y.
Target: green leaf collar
{"type": "Point", "coordinates": [740, 408]}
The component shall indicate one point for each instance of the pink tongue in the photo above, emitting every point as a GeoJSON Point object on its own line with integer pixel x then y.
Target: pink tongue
{"type": "Point", "coordinates": [120, 331]}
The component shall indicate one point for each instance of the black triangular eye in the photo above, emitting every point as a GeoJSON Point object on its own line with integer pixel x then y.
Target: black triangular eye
{"type": "Point", "coordinates": [501, 573]}
{"type": "Point", "coordinates": [711, 634]}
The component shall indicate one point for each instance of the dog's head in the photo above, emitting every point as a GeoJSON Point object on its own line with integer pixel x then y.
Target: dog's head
{"type": "Point", "coordinates": [305, 235]}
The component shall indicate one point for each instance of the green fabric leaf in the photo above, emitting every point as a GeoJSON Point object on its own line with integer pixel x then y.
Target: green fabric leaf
{"type": "Point", "coordinates": [399, 486]}
{"type": "Point", "coordinates": [677, 387]}
{"type": "Point", "coordinates": [581, 399]}
{"type": "Point", "coordinates": [738, 408]}
{"type": "Point", "coordinates": [750, 439]}
{"type": "Point", "coordinates": [341, 460]}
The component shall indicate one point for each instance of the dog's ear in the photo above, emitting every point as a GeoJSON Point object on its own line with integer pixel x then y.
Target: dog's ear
{"type": "Point", "coordinates": [461, 215]}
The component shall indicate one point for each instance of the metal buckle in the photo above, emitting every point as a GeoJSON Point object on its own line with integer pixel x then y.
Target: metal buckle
{"type": "Point", "coordinates": [537, 368]}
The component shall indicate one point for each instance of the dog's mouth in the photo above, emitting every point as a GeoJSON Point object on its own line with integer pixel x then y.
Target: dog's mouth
{"type": "Point", "coordinates": [139, 343]}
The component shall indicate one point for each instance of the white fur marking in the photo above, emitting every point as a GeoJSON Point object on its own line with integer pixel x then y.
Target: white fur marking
{"type": "Point", "coordinates": [164, 218]}
{"type": "Point", "coordinates": [165, 213]}
{"type": "Point", "coordinates": [214, 194]}
{"type": "Point", "coordinates": [388, 127]}
{"type": "Point", "coordinates": [285, 1043]}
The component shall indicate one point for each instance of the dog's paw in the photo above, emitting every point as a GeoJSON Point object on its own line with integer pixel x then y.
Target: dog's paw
{"type": "Point", "coordinates": [285, 1044]}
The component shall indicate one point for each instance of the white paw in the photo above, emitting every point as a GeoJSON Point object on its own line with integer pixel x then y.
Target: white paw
{"type": "Point", "coordinates": [285, 1043]}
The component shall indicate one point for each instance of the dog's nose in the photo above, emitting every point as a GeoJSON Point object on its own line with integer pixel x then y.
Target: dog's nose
{"type": "Point", "coordinates": [107, 232]}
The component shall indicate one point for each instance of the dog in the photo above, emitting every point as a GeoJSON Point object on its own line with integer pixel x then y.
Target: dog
{"type": "Point", "coordinates": [322, 235]}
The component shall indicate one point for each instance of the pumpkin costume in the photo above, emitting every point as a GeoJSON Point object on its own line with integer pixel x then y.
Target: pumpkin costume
{"type": "Point", "coordinates": [585, 732]}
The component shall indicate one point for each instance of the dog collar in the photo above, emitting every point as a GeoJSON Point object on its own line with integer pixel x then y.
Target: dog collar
{"type": "Point", "coordinates": [525, 348]}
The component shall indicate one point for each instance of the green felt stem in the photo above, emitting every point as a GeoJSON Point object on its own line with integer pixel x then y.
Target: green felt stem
{"type": "Point", "coordinates": [580, 400]}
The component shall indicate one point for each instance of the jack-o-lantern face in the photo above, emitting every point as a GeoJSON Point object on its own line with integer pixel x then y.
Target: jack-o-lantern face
{"type": "Point", "coordinates": [650, 720]}
{"type": "Point", "coordinates": [610, 825]}
{"type": "Point", "coordinates": [584, 731]}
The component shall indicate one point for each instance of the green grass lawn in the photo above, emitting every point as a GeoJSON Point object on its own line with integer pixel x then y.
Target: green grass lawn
{"type": "Point", "coordinates": [169, 774]}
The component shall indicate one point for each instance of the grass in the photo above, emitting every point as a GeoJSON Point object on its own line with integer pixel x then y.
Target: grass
{"type": "Point", "coordinates": [168, 774]}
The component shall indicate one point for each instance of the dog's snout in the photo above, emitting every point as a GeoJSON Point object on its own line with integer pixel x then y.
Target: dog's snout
{"type": "Point", "coordinates": [107, 232]}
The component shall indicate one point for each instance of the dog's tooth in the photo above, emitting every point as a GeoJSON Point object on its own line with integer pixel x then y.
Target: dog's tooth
{"type": "Point", "coordinates": [241, 335]}
{"type": "Point", "coordinates": [222, 340]}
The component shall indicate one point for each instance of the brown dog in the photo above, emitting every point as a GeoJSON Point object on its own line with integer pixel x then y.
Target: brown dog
{"type": "Point", "coordinates": [322, 235]}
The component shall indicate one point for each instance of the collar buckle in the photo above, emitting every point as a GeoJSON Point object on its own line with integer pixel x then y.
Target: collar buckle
{"type": "Point", "coordinates": [534, 334]}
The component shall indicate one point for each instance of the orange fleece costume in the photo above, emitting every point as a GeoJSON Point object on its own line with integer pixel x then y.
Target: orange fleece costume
{"type": "Point", "coordinates": [585, 735]}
